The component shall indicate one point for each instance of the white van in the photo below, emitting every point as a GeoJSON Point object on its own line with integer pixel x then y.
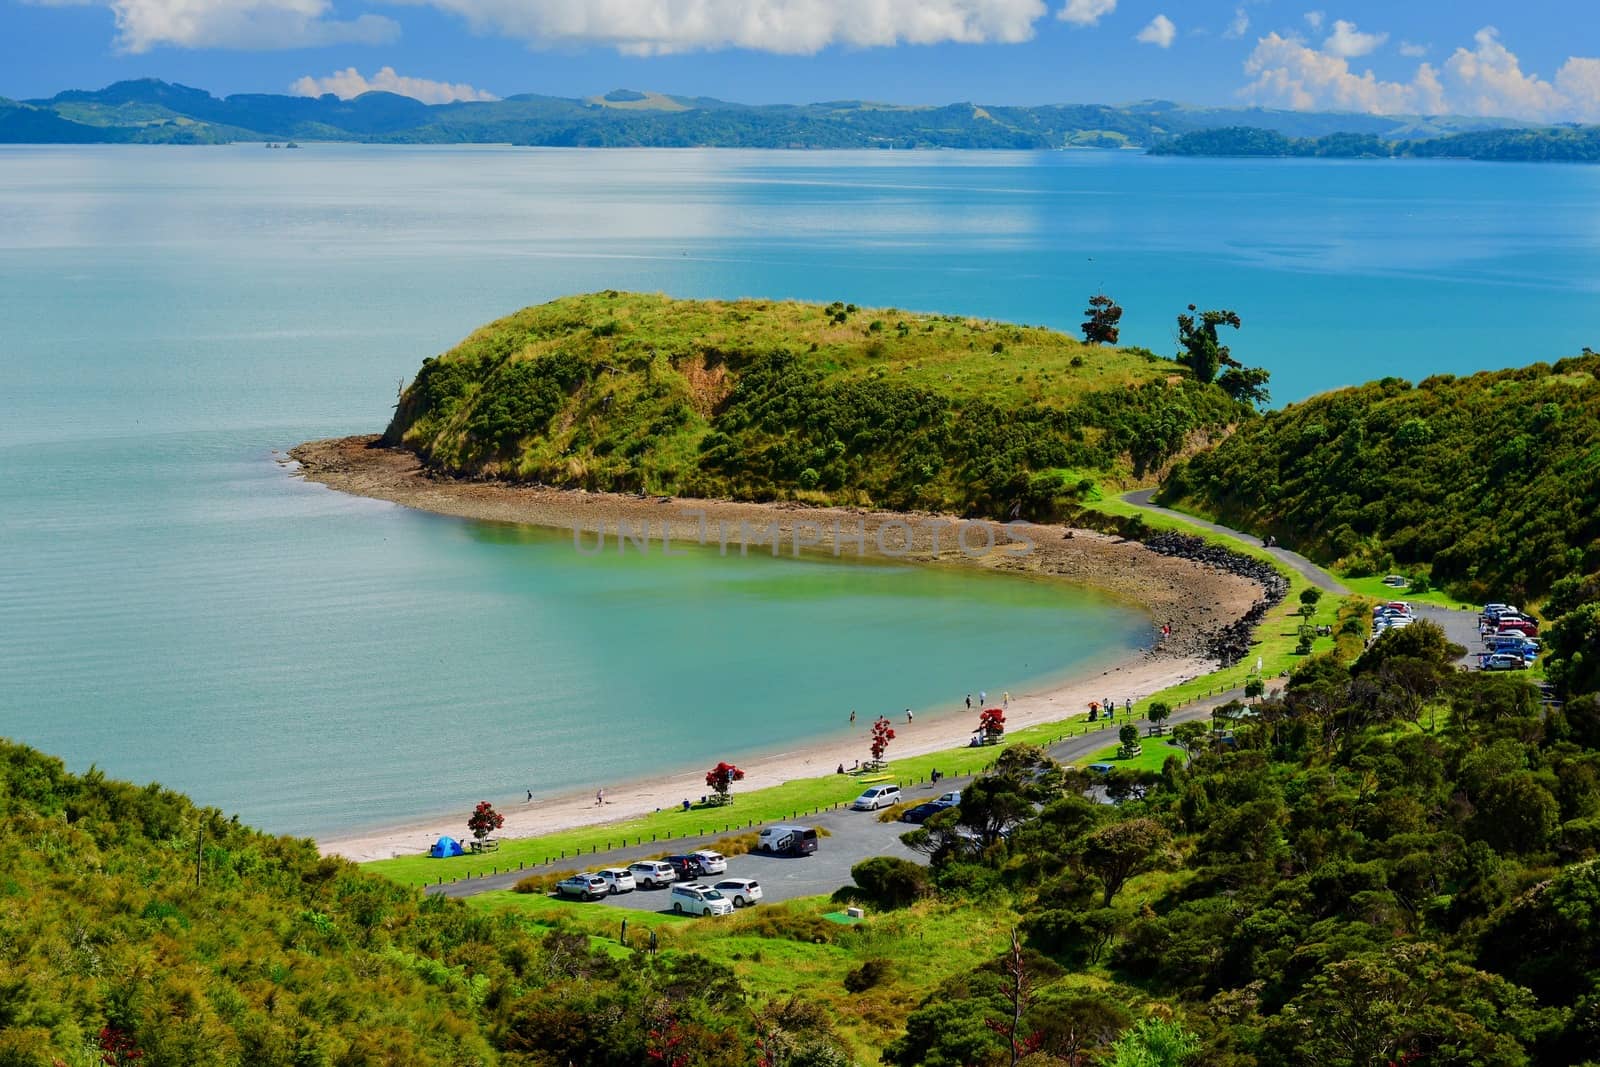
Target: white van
{"type": "Point", "coordinates": [879, 796]}
{"type": "Point", "coordinates": [693, 898]}
{"type": "Point", "coordinates": [788, 840]}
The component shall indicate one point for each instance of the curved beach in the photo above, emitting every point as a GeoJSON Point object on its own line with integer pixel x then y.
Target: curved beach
{"type": "Point", "coordinates": [1194, 600]}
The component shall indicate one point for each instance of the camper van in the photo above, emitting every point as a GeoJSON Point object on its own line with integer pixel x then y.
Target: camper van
{"type": "Point", "coordinates": [788, 841]}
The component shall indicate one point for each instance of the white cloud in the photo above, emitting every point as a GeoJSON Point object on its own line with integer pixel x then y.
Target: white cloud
{"type": "Point", "coordinates": [1086, 12]}
{"type": "Point", "coordinates": [1413, 51]}
{"type": "Point", "coordinates": [1238, 27]}
{"type": "Point", "coordinates": [1160, 32]}
{"type": "Point", "coordinates": [1490, 81]}
{"type": "Point", "coordinates": [1314, 19]}
{"type": "Point", "coordinates": [1486, 79]}
{"type": "Point", "coordinates": [1349, 42]}
{"type": "Point", "coordinates": [242, 24]}
{"type": "Point", "coordinates": [792, 27]}
{"type": "Point", "coordinates": [1579, 81]}
{"type": "Point", "coordinates": [350, 83]}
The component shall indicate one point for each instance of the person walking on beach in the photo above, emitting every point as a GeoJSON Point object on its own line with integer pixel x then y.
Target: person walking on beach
{"type": "Point", "coordinates": [852, 716]}
{"type": "Point", "coordinates": [599, 796]}
{"type": "Point", "coordinates": [969, 701]}
{"type": "Point", "coordinates": [530, 796]}
{"type": "Point", "coordinates": [982, 698]}
{"type": "Point", "coordinates": [1005, 699]}
{"type": "Point", "coordinates": [908, 716]}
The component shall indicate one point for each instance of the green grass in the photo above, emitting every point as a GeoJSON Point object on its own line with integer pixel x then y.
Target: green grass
{"type": "Point", "coordinates": [1372, 586]}
{"type": "Point", "coordinates": [1156, 752]}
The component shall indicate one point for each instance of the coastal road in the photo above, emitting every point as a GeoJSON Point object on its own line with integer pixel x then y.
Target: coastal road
{"type": "Point", "coordinates": [1461, 626]}
{"type": "Point", "coordinates": [853, 836]}
{"type": "Point", "coordinates": [1140, 498]}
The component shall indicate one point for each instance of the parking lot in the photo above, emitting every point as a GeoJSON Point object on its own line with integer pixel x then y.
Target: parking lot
{"type": "Point", "coordinates": [788, 877]}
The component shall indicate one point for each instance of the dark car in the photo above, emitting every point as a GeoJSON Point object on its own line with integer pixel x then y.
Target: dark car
{"type": "Point", "coordinates": [688, 868]}
{"type": "Point", "coordinates": [921, 812]}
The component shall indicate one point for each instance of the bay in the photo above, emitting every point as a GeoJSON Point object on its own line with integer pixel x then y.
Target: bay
{"type": "Point", "coordinates": [174, 606]}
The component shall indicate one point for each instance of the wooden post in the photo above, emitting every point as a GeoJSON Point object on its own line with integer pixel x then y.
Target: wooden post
{"type": "Point", "coordinates": [199, 852]}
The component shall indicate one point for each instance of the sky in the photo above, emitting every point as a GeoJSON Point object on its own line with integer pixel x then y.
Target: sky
{"type": "Point", "coordinates": [1538, 60]}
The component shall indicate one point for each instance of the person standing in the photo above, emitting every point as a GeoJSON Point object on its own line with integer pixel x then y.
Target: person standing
{"type": "Point", "coordinates": [908, 716]}
{"type": "Point", "coordinates": [852, 716]}
{"type": "Point", "coordinates": [969, 701]}
{"type": "Point", "coordinates": [983, 698]}
{"type": "Point", "coordinates": [1005, 699]}
{"type": "Point", "coordinates": [599, 796]}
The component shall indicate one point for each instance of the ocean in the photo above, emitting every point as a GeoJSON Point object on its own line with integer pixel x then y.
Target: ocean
{"type": "Point", "coordinates": [175, 606]}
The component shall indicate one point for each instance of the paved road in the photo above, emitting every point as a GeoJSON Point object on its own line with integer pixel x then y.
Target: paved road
{"type": "Point", "coordinates": [1318, 577]}
{"type": "Point", "coordinates": [1461, 626]}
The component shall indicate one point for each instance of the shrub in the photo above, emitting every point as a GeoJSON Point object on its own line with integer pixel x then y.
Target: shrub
{"type": "Point", "coordinates": [890, 882]}
{"type": "Point", "coordinates": [864, 977]}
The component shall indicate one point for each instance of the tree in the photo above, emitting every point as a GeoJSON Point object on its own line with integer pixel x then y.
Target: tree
{"type": "Point", "coordinates": [484, 820]}
{"type": "Point", "coordinates": [1158, 712]}
{"type": "Point", "coordinates": [992, 804]}
{"type": "Point", "coordinates": [1310, 595]}
{"type": "Point", "coordinates": [1117, 852]}
{"type": "Point", "coordinates": [992, 724]}
{"type": "Point", "coordinates": [1202, 353]}
{"type": "Point", "coordinates": [882, 734]}
{"type": "Point", "coordinates": [1255, 688]}
{"type": "Point", "coordinates": [1188, 736]}
{"type": "Point", "coordinates": [889, 881]}
{"type": "Point", "coordinates": [1130, 747]}
{"type": "Point", "coordinates": [1100, 327]}
{"type": "Point", "coordinates": [721, 778]}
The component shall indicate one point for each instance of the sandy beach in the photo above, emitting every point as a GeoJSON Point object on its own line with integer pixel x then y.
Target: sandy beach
{"type": "Point", "coordinates": [1193, 600]}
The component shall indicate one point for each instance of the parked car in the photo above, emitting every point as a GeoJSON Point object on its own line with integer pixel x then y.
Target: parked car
{"type": "Point", "coordinates": [1396, 581]}
{"type": "Point", "coordinates": [742, 891]}
{"type": "Point", "coordinates": [787, 840]}
{"type": "Point", "coordinates": [1504, 661]}
{"type": "Point", "coordinates": [922, 812]}
{"type": "Point", "coordinates": [692, 898]}
{"type": "Point", "coordinates": [1102, 768]}
{"type": "Point", "coordinates": [687, 867]}
{"type": "Point", "coordinates": [879, 796]}
{"type": "Point", "coordinates": [583, 887]}
{"type": "Point", "coordinates": [950, 799]}
{"type": "Point", "coordinates": [652, 874]}
{"type": "Point", "coordinates": [711, 862]}
{"type": "Point", "coordinates": [617, 879]}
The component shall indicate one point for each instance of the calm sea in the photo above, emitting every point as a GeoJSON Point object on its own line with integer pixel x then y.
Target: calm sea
{"type": "Point", "coordinates": [174, 607]}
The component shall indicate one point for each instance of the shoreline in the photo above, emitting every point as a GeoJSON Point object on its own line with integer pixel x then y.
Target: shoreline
{"type": "Point", "coordinates": [1194, 599]}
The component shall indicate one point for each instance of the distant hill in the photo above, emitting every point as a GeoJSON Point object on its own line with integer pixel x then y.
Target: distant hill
{"type": "Point", "coordinates": [1556, 144]}
{"type": "Point", "coordinates": [152, 111]}
{"type": "Point", "coordinates": [762, 400]}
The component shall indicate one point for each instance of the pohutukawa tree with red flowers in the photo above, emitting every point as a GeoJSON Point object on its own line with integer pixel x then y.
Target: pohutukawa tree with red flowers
{"type": "Point", "coordinates": [992, 723]}
{"type": "Point", "coordinates": [485, 820]}
{"type": "Point", "coordinates": [882, 734]}
{"type": "Point", "coordinates": [721, 778]}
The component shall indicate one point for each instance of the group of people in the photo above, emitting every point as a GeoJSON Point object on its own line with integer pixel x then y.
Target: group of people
{"type": "Point", "coordinates": [983, 698]}
{"type": "Point", "coordinates": [1109, 707]}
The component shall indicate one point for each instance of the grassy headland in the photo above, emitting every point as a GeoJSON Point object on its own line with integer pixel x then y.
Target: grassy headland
{"type": "Point", "coordinates": [762, 400]}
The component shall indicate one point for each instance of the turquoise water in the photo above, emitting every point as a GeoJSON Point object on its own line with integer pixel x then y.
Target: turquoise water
{"type": "Point", "coordinates": [173, 606]}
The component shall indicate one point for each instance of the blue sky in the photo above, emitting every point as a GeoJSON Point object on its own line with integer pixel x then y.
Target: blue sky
{"type": "Point", "coordinates": [1536, 60]}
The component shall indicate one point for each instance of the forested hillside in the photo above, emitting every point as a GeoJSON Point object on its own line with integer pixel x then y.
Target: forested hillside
{"type": "Point", "coordinates": [1561, 144]}
{"type": "Point", "coordinates": [1490, 482]}
{"type": "Point", "coordinates": [764, 400]}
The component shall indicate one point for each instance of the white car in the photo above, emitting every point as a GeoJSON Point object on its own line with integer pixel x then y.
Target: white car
{"type": "Point", "coordinates": [879, 796]}
{"type": "Point", "coordinates": [950, 799]}
{"type": "Point", "coordinates": [693, 898]}
{"type": "Point", "coordinates": [652, 874]}
{"type": "Point", "coordinates": [711, 862]}
{"type": "Point", "coordinates": [742, 891]}
{"type": "Point", "coordinates": [618, 879]}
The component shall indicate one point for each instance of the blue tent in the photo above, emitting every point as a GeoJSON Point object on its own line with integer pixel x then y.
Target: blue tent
{"type": "Point", "coordinates": [445, 847]}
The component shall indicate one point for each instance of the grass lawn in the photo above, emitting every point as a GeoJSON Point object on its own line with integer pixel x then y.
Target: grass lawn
{"type": "Point", "coordinates": [1157, 750]}
{"type": "Point", "coordinates": [1372, 586]}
